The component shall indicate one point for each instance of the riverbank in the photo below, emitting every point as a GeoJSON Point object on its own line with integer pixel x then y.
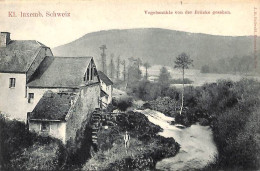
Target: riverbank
{"type": "Point", "coordinates": [145, 150]}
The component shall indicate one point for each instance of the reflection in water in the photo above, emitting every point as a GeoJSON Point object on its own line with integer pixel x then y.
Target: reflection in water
{"type": "Point", "coordinates": [197, 145]}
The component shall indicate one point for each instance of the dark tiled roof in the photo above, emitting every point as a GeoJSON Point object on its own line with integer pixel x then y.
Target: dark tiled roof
{"type": "Point", "coordinates": [18, 55]}
{"type": "Point", "coordinates": [53, 106]}
{"type": "Point", "coordinates": [104, 78]}
{"type": "Point", "coordinates": [60, 72]}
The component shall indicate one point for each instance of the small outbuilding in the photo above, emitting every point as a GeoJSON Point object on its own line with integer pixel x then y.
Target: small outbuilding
{"type": "Point", "coordinates": [56, 115]}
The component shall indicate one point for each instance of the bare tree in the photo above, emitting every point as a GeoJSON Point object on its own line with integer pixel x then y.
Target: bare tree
{"type": "Point", "coordinates": [146, 65]}
{"type": "Point", "coordinates": [183, 62]}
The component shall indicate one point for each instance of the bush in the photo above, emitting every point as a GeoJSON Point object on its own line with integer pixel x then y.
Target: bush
{"type": "Point", "coordinates": [229, 108]}
{"type": "Point", "coordinates": [180, 81]}
{"type": "Point", "coordinates": [21, 149]}
{"type": "Point", "coordinates": [79, 151]}
{"type": "Point", "coordinates": [123, 103]}
{"type": "Point", "coordinates": [165, 105]}
{"type": "Point", "coordinates": [203, 122]}
{"type": "Point", "coordinates": [39, 157]}
{"type": "Point", "coordinates": [148, 91]}
{"type": "Point", "coordinates": [146, 147]}
{"type": "Point", "coordinates": [205, 69]}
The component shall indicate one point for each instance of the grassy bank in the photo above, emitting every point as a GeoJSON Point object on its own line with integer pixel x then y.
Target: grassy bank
{"type": "Point", "coordinates": [146, 147]}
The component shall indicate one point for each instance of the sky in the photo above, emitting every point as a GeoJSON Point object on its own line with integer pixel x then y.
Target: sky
{"type": "Point", "coordinates": [90, 16]}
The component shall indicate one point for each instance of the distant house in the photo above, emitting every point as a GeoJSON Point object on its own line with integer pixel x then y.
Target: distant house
{"type": "Point", "coordinates": [57, 93]}
{"type": "Point", "coordinates": [106, 88]}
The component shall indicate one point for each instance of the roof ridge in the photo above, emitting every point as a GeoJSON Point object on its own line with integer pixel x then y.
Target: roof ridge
{"type": "Point", "coordinates": [40, 44]}
{"type": "Point", "coordinates": [73, 57]}
{"type": "Point", "coordinates": [35, 54]}
{"type": "Point", "coordinates": [24, 40]}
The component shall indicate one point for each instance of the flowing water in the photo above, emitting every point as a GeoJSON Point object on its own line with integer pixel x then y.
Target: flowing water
{"type": "Point", "coordinates": [197, 145]}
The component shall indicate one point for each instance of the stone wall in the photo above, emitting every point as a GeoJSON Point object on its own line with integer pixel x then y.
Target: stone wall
{"type": "Point", "coordinates": [81, 112]}
{"type": "Point", "coordinates": [108, 89]}
{"type": "Point", "coordinates": [13, 101]}
{"type": "Point", "coordinates": [56, 129]}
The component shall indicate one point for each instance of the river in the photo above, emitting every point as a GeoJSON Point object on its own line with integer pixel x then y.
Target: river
{"type": "Point", "coordinates": [197, 145]}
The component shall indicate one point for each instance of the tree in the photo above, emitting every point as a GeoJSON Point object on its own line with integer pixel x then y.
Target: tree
{"type": "Point", "coordinates": [133, 71]}
{"type": "Point", "coordinates": [103, 59]}
{"type": "Point", "coordinates": [112, 67]}
{"type": "Point", "coordinates": [205, 69]}
{"type": "Point", "coordinates": [124, 69]}
{"type": "Point", "coordinates": [118, 68]}
{"type": "Point", "coordinates": [139, 62]}
{"type": "Point", "coordinates": [182, 62]}
{"type": "Point", "coordinates": [164, 77]}
{"type": "Point", "coordinates": [146, 65]}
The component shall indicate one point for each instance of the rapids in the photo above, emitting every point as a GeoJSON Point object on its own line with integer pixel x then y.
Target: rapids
{"type": "Point", "coordinates": [197, 145]}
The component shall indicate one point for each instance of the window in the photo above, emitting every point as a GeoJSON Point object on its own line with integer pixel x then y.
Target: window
{"type": "Point", "coordinates": [88, 74]}
{"type": "Point", "coordinates": [12, 83]}
{"type": "Point", "coordinates": [30, 97]}
{"type": "Point", "coordinates": [91, 73]}
{"type": "Point", "coordinates": [45, 127]}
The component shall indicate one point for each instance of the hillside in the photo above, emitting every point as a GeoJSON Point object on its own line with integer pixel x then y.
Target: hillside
{"type": "Point", "coordinates": [158, 46]}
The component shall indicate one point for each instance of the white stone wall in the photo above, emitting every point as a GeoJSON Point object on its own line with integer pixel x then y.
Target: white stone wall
{"type": "Point", "coordinates": [57, 129]}
{"type": "Point", "coordinates": [13, 101]}
{"type": "Point", "coordinates": [108, 90]}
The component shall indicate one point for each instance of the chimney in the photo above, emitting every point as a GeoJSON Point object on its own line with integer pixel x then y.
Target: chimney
{"type": "Point", "coordinates": [4, 39]}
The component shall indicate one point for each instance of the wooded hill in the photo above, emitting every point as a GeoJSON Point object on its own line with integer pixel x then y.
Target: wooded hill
{"type": "Point", "coordinates": [159, 46]}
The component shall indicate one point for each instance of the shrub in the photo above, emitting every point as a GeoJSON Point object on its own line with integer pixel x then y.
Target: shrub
{"type": "Point", "coordinates": [21, 149]}
{"type": "Point", "coordinates": [146, 147]}
{"type": "Point", "coordinates": [39, 157]}
{"type": "Point", "coordinates": [205, 69]}
{"type": "Point", "coordinates": [123, 103]}
{"type": "Point", "coordinates": [180, 81]}
{"type": "Point", "coordinates": [165, 105]}
{"type": "Point", "coordinates": [230, 108]}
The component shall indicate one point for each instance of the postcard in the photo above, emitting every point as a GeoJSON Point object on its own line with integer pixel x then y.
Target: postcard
{"type": "Point", "coordinates": [130, 85]}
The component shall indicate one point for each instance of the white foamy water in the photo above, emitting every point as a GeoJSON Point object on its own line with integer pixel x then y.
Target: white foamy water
{"type": "Point", "coordinates": [197, 145]}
